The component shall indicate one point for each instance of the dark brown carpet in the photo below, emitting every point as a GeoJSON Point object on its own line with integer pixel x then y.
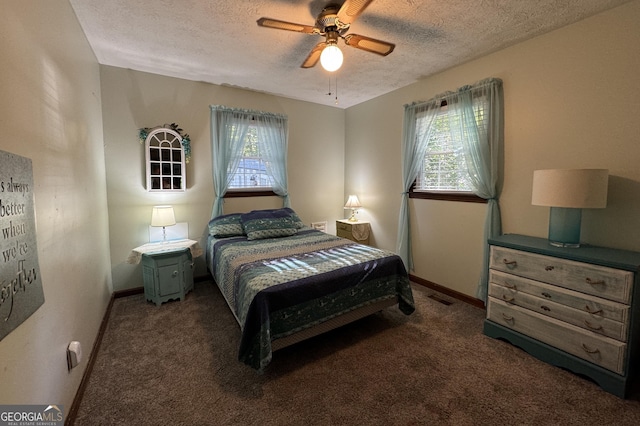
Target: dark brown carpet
{"type": "Point", "coordinates": [176, 365]}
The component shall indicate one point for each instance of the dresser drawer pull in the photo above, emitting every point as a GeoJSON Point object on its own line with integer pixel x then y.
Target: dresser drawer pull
{"type": "Point", "coordinates": [590, 281]}
{"type": "Point", "coordinates": [547, 295]}
{"type": "Point", "coordinates": [588, 309]}
{"type": "Point", "coordinates": [589, 350]}
{"type": "Point", "coordinates": [549, 268]}
{"type": "Point", "coordinates": [510, 264]}
{"type": "Point", "coordinates": [545, 308]}
{"type": "Point", "coordinates": [592, 327]}
{"type": "Point", "coordinates": [509, 285]}
{"type": "Point", "coordinates": [507, 317]}
{"type": "Point", "coordinates": [507, 298]}
{"type": "Point", "coordinates": [174, 274]}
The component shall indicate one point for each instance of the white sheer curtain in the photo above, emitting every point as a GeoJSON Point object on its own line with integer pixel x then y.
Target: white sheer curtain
{"type": "Point", "coordinates": [476, 117]}
{"type": "Point", "coordinates": [228, 131]}
{"type": "Point", "coordinates": [480, 109]}
{"type": "Point", "coordinates": [273, 142]}
{"type": "Point", "coordinates": [414, 147]}
{"type": "Point", "coordinates": [229, 127]}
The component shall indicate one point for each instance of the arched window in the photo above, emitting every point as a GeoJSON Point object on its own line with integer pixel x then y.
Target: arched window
{"type": "Point", "coordinates": [165, 159]}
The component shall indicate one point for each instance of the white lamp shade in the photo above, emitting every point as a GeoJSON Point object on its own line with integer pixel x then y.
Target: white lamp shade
{"type": "Point", "coordinates": [162, 216]}
{"type": "Point", "coordinates": [570, 188]}
{"type": "Point", "coordinates": [352, 202]}
{"type": "Point", "coordinates": [331, 58]}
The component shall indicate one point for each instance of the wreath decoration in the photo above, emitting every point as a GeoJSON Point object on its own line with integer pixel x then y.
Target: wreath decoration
{"type": "Point", "coordinates": [186, 140]}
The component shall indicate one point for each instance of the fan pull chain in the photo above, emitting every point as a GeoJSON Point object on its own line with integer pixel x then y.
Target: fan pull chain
{"type": "Point", "coordinates": [329, 94]}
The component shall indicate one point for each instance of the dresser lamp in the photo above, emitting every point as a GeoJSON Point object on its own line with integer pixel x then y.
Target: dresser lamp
{"type": "Point", "coordinates": [567, 192]}
{"type": "Point", "coordinates": [163, 216]}
{"type": "Point", "coordinates": [353, 203]}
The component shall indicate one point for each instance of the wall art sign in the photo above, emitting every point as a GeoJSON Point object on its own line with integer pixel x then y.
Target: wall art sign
{"type": "Point", "coordinates": [20, 284]}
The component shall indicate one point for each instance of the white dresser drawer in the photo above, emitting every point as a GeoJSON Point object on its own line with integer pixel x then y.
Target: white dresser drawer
{"type": "Point", "coordinates": [608, 283]}
{"type": "Point", "coordinates": [603, 351]}
{"type": "Point", "coordinates": [592, 305]}
{"type": "Point", "coordinates": [597, 324]}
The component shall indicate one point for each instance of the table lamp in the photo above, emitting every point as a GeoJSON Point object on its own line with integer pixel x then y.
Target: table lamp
{"type": "Point", "coordinates": [353, 203]}
{"type": "Point", "coordinates": [163, 216]}
{"type": "Point", "coordinates": [567, 192]}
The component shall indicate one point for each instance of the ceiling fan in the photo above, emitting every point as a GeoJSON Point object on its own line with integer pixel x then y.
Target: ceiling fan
{"type": "Point", "coordinates": [333, 23]}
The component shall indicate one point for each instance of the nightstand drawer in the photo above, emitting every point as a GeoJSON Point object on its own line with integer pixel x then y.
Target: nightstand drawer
{"type": "Point", "coordinates": [603, 351]}
{"type": "Point", "coordinates": [344, 227]}
{"type": "Point", "coordinates": [354, 231]}
{"type": "Point", "coordinates": [609, 283]}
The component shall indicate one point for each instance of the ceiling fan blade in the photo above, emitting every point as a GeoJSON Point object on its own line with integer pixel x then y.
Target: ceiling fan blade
{"type": "Point", "coordinates": [369, 44]}
{"type": "Point", "coordinates": [314, 56]}
{"type": "Point", "coordinates": [284, 25]}
{"type": "Point", "coordinates": [351, 9]}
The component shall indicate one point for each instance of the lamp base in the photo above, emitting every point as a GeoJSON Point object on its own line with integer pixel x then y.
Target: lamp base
{"type": "Point", "coordinates": [564, 227]}
{"type": "Point", "coordinates": [353, 217]}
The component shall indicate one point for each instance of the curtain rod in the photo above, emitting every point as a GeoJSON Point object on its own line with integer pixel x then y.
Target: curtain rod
{"type": "Point", "coordinates": [442, 96]}
{"type": "Point", "coordinates": [249, 112]}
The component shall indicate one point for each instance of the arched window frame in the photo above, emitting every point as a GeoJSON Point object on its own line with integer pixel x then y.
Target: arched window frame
{"type": "Point", "coordinates": [165, 161]}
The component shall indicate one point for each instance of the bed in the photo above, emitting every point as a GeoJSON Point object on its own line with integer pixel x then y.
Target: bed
{"type": "Point", "coordinates": [285, 282]}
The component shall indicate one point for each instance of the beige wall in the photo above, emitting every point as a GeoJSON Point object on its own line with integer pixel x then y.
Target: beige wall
{"type": "Point", "coordinates": [132, 100]}
{"type": "Point", "coordinates": [50, 112]}
{"type": "Point", "coordinates": [571, 100]}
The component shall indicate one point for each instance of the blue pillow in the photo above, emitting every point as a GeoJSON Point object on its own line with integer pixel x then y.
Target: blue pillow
{"type": "Point", "coordinates": [260, 224]}
{"type": "Point", "coordinates": [284, 212]}
{"type": "Point", "coordinates": [296, 219]}
{"type": "Point", "coordinates": [228, 225]}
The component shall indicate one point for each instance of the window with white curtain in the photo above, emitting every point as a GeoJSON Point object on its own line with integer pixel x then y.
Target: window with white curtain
{"type": "Point", "coordinates": [249, 154]}
{"type": "Point", "coordinates": [444, 173]}
{"type": "Point", "coordinates": [430, 159]}
{"type": "Point", "coordinates": [252, 172]}
{"type": "Point", "coordinates": [443, 168]}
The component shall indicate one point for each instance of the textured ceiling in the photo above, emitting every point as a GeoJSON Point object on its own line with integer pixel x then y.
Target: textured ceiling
{"type": "Point", "coordinates": [218, 41]}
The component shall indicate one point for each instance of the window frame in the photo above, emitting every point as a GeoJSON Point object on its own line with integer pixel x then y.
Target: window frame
{"type": "Point", "coordinates": [241, 192]}
{"type": "Point", "coordinates": [460, 196]}
{"type": "Point", "coordinates": [250, 192]}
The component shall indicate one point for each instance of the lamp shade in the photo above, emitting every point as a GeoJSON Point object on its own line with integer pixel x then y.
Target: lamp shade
{"type": "Point", "coordinates": [162, 216]}
{"type": "Point", "coordinates": [570, 188]}
{"type": "Point", "coordinates": [352, 202]}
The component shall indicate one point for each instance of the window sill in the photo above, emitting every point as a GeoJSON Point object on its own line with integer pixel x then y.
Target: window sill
{"type": "Point", "coordinates": [234, 193]}
{"type": "Point", "coordinates": [447, 196]}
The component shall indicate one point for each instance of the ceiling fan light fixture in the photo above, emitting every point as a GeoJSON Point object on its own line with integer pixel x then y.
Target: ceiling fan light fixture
{"type": "Point", "coordinates": [333, 23]}
{"type": "Point", "coordinates": [331, 58]}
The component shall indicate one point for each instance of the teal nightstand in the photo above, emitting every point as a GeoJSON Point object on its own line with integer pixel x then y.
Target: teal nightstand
{"type": "Point", "coordinates": [167, 275]}
{"type": "Point", "coordinates": [167, 268]}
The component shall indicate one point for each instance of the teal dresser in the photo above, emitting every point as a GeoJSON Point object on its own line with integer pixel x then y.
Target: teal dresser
{"type": "Point", "coordinates": [578, 309]}
{"type": "Point", "coordinates": [167, 275]}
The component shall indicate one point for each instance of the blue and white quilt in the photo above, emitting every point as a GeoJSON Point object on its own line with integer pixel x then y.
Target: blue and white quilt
{"type": "Point", "coordinates": [278, 286]}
